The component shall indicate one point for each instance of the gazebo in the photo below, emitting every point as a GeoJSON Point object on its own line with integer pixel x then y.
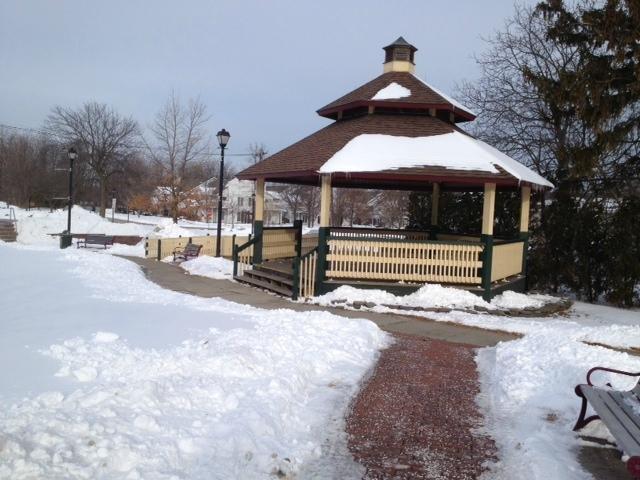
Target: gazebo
{"type": "Point", "coordinates": [395, 132]}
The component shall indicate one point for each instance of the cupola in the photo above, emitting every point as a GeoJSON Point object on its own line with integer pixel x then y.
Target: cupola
{"type": "Point", "coordinates": [399, 57]}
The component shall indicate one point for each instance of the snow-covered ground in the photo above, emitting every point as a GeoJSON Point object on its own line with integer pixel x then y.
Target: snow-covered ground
{"type": "Point", "coordinates": [585, 322]}
{"type": "Point", "coordinates": [211, 267]}
{"type": "Point", "coordinates": [527, 385]}
{"type": "Point", "coordinates": [113, 377]}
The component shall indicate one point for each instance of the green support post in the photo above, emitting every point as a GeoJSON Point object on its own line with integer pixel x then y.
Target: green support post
{"type": "Point", "coordinates": [159, 249]}
{"type": "Point", "coordinates": [297, 224]}
{"type": "Point", "coordinates": [235, 260]}
{"type": "Point", "coordinates": [258, 226]}
{"type": "Point", "coordinates": [487, 258]}
{"type": "Point", "coordinates": [321, 266]}
{"type": "Point", "coordinates": [295, 288]}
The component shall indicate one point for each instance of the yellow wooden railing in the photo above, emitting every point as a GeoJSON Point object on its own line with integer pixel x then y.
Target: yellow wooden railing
{"type": "Point", "coordinates": [445, 262]}
{"type": "Point", "coordinates": [306, 273]}
{"type": "Point", "coordinates": [168, 245]}
{"type": "Point", "coordinates": [506, 260]}
{"type": "Point", "coordinates": [278, 243]}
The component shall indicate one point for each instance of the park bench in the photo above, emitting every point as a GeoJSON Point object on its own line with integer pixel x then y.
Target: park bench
{"type": "Point", "coordinates": [190, 250]}
{"type": "Point", "coordinates": [95, 239]}
{"type": "Point", "coordinates": [618, 410]}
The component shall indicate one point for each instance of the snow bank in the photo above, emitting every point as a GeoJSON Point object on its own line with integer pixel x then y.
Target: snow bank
{"type": "Point", "coordinates": [212, 267]}
{"type": "Point", "coordinates": [393, 90]}
{"type": "Point", "coordinates": [167, 229]}
{"type": "Point", "coordinates": [433, 296]}
{"type": "Point", "coordinates": [428, 296]}
{"type": "Point", "coordinates": [455, 150]}
{"type": "Point", "coordinates": [530, 407]}
{"type": "Point", "coordinates": [34, 226]}
{"type": "Point", "coordinates": [157, 384]}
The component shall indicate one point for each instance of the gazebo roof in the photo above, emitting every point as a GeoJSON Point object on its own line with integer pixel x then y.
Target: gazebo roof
{"type": "Point", "coordinates": [394, 132]}
{"type": "Point", "coordinates": [418, 97]}
{"type": "Point", "coordinates": [393, 151]}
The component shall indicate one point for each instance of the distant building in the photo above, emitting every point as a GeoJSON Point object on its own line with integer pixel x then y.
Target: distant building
{"type": "Point", "coordinates": [238, 202]}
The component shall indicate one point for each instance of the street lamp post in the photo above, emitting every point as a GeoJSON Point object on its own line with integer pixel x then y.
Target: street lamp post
{"type": "Point", "coordinates": [223, 139]}
{"type": "Point", "coordinates": [66, 238]}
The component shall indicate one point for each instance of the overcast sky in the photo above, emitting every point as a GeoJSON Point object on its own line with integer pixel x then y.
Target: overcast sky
{"type": "Point", "coordinates": [261, 67]}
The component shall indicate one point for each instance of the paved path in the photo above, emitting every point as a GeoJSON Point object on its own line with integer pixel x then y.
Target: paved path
{"type": "Point", "coordinates": [433, 431]}
{"type": "Point", "coordinates": [174, 278]}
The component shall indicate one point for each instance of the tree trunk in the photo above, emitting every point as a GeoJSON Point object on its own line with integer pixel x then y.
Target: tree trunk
{"type": "Point", "coordinates": [103, 197]}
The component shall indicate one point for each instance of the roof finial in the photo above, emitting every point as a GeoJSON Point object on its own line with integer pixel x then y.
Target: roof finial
{"type": "Point", "coordinates": [399, 56]}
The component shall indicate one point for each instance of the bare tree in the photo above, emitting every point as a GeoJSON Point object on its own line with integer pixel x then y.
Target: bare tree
{"type": "Point", "coordinates": [180, 142]}
{"type": "Point", "coordinates": [105, 138]}
{"type": "Point", "coordinates": [302, 200]}
{"type": "Point", "coordinates": [391, 208]}
{"type": "Point", "coordinates": [258, 152]}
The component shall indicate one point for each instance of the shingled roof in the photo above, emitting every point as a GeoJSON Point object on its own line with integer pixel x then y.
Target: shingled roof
{"type": "Point", "coordinates": [301, 162]}
{"type": "Point", "coordinates": [423, 97]}
{"type": "Point", "coordinates": [407, 138]}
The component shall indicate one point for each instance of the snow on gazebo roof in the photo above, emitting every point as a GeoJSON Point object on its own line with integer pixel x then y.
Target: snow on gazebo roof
{"type": "Point", "coordinates": [452, 151]}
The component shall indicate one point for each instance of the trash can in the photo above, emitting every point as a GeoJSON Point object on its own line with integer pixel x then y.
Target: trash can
{"type": "Point", "coordinates": [65, 240]}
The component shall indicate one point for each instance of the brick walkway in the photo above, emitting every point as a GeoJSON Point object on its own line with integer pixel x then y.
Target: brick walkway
{"type": "Point", "coordinates": [416, 416]}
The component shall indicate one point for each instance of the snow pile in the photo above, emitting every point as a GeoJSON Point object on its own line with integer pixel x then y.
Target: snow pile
{"type": "Point", "coordinates": [212, 267]}
{"type": "Point", "coordinates": [527, 394]}
{"type": "Point", "coordinates": [34, 226]}
{"type": "Point", "coordinates": [455, 150]}
{"type": "Point", "coordinates": [393, 90]}
{"type": "Point", "coordinates": [514, 300]}
{"type": "Point", "coordinates": [433, 296]}
{"type": "Point", "coordinates": [156, 384]}
{"type": "Point", "coordinates": [428, 296]}
{"type": "Point", "coordinates": [167, 229]}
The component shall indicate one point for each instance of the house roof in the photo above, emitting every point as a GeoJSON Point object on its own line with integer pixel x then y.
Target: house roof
{"type": "Point", "coordinates": [338, 149]}
{"type": "Point", "coordinates": [422, 98]}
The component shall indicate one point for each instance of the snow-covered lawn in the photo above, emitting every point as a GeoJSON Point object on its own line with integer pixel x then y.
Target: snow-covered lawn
{"type": "Point", "coordinates": [211, 267]}
{"type": "Point", "coordinates": [106, 375]}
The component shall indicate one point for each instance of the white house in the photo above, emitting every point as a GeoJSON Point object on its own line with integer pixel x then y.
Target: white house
{"type": "Point", "coordinates": [238, 203]}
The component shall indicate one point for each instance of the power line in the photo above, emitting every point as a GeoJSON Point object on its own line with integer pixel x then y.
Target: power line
{"type": "Point", "coordinates": [50, 135]}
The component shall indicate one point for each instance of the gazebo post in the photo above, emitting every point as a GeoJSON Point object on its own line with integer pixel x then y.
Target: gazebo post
{"type": "Point", "coordinates": [323, 231]}
{"type": "Point", "coordinates": [258, 221]}
{"type": "Point", "coordinates": [488, 208]}
{"type": "Point", "coordinates": [525, 205]}
{"type": "Point", "coordinates": [435, 202]}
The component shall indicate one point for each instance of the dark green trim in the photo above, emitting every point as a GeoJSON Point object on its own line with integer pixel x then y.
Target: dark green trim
{"type": "Point", "coordinates": [295, 287]}
{"type": "Point", "coordinates": [297, 224]}
{"type": "Point", "coordinates": [258, 227]}
{"type": "Point", "coordinates": [433, 232]}
{"type": "Point", "coordinates": [321, 266]}
{"type": "Point", "coordinates": [487, 258]}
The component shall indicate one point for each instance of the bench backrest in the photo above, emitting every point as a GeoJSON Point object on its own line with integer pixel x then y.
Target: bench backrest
{"type": "Point", "coordinates": [192, 248]}
{"type": "Point", "coordinates": [98, 238]}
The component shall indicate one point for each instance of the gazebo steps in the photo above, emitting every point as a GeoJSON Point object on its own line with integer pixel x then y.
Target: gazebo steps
{"type": "Point", "coordinates": [275, 280]}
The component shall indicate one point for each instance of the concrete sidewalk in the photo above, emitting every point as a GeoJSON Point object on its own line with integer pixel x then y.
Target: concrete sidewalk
{"type": "Point", "coordinates": [174, 278]}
